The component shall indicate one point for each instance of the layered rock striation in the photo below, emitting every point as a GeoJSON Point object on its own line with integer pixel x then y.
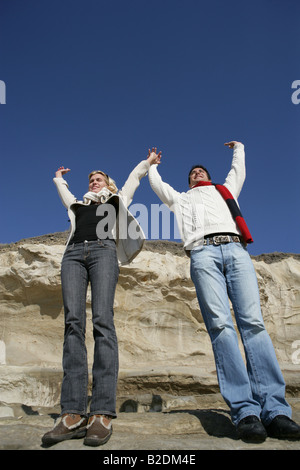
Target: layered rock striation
{"type": "Point", "coordinates": [164, 348]}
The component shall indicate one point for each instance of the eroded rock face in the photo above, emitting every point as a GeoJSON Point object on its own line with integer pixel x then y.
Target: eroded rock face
{"type": "Point", "coordinates": [163, 344]}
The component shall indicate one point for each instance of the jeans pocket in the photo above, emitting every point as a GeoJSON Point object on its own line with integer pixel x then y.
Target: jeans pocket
{"type": "Point", "coordinates": [196, 250]}
{"type": "Point", "coordinates": [241, 246]}
{"type": "Point", "coordinates": [110, 244]}
{"type": "Point", "coordinates": [70, 247]}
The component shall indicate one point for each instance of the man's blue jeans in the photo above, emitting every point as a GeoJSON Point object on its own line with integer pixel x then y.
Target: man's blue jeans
{"type": "Point", "coordinates": [95, 262]}
{"type": "Point", "coordinates": [257, 389]}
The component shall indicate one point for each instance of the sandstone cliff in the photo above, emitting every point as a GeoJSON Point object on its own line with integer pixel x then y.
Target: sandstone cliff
{"type": "Point", "coordinates": [163, 344]}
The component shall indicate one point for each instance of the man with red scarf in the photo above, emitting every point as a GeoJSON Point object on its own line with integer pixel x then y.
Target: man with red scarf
{"type": "Point", "coordinates": [215, 236]}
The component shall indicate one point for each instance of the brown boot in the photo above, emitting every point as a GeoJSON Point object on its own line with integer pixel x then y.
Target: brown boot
{"type": "Point", "coordinates": [71, 426]}
{"type": "Point", "coordinates": [99, 430]}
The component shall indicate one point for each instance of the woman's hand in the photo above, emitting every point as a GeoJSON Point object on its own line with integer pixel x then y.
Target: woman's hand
{"type": "Point", "coordinates": [153, 156]}
{"type": "Point", "coordinates": [61, 171]}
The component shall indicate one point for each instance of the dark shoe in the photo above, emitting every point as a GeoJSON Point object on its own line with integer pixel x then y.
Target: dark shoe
{"type": "Point", "coordinates": [282, 427]}
{"type": "Point", "coordinates": [99, 430]}
{"type": "Point", "coordinates": [71, 426]}
{"type": "Point", "coordinates": [250, 429]}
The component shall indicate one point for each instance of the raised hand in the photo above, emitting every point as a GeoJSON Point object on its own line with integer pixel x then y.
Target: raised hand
{"type": "Point", "coordinates": [232, 143]}
{"type": "Point", "coordinates": [61, 171]}
{"type": "Point", "coordinates": [154, 157]}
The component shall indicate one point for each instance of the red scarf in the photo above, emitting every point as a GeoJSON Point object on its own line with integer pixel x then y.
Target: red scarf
{"type": "Point", "coordinates": [233, 207]}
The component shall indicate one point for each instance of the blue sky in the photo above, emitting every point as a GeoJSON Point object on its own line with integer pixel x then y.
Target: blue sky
{"type": "Point", "coordinates": [92, 84]}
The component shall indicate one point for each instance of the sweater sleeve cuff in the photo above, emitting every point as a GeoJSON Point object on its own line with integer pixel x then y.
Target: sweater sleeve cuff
{"type": "Point", "coordinates": [60, 181]}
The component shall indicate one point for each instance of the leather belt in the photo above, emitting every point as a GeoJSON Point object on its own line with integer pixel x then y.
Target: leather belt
{"type": "Point", "coordinates": [219, 239]}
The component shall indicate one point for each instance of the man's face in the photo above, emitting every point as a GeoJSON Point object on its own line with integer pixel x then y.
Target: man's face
{"type": "Point", "coordinates": [198, 174]}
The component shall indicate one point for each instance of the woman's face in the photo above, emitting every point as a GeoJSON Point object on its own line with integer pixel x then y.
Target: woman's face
{"type": "Point", "coordinates": [97, 182]}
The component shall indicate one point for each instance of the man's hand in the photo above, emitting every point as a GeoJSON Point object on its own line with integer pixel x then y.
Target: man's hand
{"type": "Point", "coordinates": [232, 143]}
{"type": "Point", "coordinates": [153, 156]}
{"type": "Point", "coordinates": [61, 171]}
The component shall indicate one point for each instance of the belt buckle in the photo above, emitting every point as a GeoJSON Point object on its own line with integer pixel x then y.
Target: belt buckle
{"type": "Point", "coordinates": [216, 240]}
{"type": "Point", "coordinates": [225, 239]}
{"type": "Point", "coordinates": [219, 239]}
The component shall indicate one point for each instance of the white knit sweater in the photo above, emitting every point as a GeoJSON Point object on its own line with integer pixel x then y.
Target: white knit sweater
{"type": "Point", "coordinates": [202, 211]}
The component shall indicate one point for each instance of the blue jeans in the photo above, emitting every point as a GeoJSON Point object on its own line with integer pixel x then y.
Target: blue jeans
{"type": "Point", "coordinates": [257, 389]}
{"type": "Point", "coordinates": [95, 262]}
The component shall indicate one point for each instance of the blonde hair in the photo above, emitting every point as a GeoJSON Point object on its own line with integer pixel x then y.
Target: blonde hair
{"type": "Point", "coordinates": [111, 184]}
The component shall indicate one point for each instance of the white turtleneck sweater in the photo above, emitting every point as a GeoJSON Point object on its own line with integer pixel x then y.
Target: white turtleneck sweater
{"type": "Point", "coordinates": [202, 211]}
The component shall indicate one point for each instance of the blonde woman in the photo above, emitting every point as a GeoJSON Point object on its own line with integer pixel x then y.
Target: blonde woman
{"type": "Point", "coordinates": [99, 241]}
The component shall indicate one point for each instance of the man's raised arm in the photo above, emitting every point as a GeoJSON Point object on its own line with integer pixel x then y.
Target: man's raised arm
{"type": "Point", "coordinates": [163, 190]}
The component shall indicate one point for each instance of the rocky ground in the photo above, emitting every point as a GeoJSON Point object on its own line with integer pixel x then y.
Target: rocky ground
{"type": "Point", "coordinates": [184, 429]}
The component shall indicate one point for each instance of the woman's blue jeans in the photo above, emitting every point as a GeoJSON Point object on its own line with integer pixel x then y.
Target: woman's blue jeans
{"type": "Point", "coordinates": [95, 262]}
{"type": "Point", "coordinates": [223, 271]}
